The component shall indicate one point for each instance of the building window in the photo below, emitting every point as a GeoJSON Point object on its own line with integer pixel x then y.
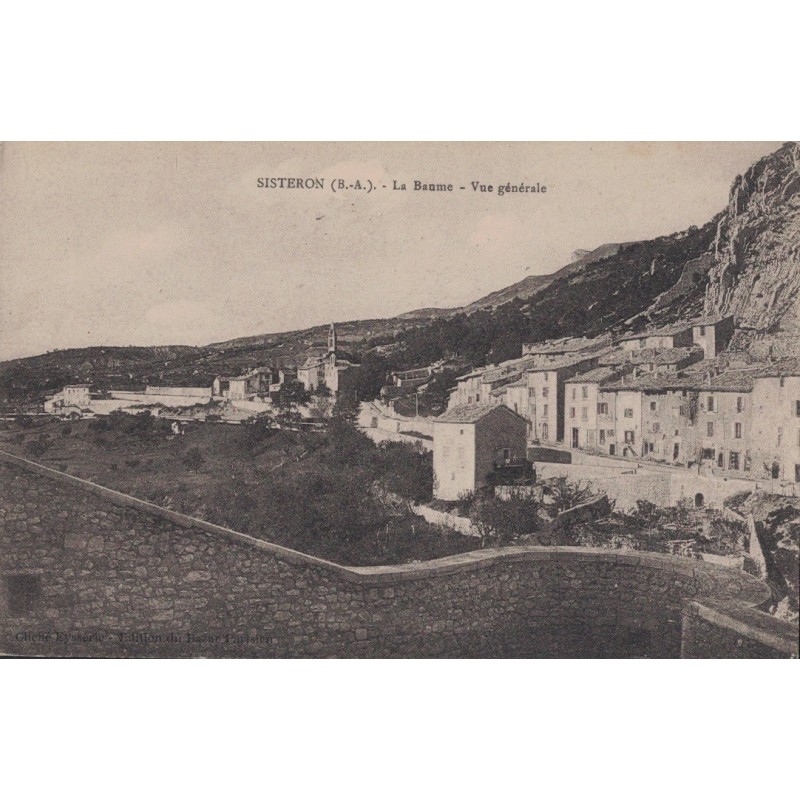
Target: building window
{"type": "Point", "coordinates": [702, 330]}
{"type": "Point", "coordinates": [590, 438]}
{"type": "Point", "coordinates": [572, 412]}
{"type": "Point", "coordinates": [602, 408]}
{"type": "Point", "coordinates": [546, 376]}
{"type": "Point", "coordinates": [630, 438]}
{"type": "Point", "coordinates": [602, 437]}
{"type": "Point", "coordinates": [573, 392]}
{"type": "Point", "coordinates": [532, 392]}
{"type": "Point", "coordinates": [585, 392]}
{"type": "Point", "coordinates": [737, 430]}
{"type": "Point", "coordinates": [710, 405]}
{"type": "Point", "coordinates": [629, 413]}
{"type": "Point", "coordinates": [656, 427]}
{"type": "Point", "coordinates": [708, 453]}
{"type": "Point", "coordinates": [545, 409]}
{"type": "Point", "coordinates": [584, 413]}
{"type": "Point", "coordinates": [721, 459]}
{"type": "Point", "coordinates": [739, 405]}
{"type": "Point", "coordinates": [709, 429]}
{"type": "Point", "coordinates": [545, 431]}
{"type": "Point", "coordinates": [652, 406]}
{"type": "Point", "coordinates": [610, 434]}
{"type": "Point", "coordinates": [23, 591]}
{"type": "Point", "coordinates": [733, 460]}
{"type": "Point", "coordinates": [797, 408]}
{"type": "Point", "coordinates": [545, 392]}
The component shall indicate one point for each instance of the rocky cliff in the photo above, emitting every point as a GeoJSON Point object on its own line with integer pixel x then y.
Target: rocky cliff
{"type": "Point", "coordinates": [755, 273]}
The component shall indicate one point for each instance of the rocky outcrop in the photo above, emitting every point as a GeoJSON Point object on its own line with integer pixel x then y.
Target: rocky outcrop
{"type": "Point", "coordinates": [756, 271]}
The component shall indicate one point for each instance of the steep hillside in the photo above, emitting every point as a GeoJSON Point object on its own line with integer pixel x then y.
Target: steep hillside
{"type": "Point", "coordinates": [756, 269]}
{"type": "Point", "coordinates": [532, 284]}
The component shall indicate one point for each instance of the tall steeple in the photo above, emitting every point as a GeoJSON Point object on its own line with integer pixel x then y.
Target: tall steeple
{"type": "Point", "coordinates": [332, 339]}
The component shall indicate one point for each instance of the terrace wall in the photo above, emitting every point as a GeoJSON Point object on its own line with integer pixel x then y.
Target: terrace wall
{"type": "Point", "coordinates": [113, 575]}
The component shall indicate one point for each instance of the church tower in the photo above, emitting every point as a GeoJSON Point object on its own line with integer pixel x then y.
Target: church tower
{"type": "Point", "coordinates": [332, 339]}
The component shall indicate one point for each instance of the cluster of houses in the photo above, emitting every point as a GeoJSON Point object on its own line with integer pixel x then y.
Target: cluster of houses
{"type": "Point", "coordinates": [250, 392]}
{"type": "Point", "coordinates": [671, 395]}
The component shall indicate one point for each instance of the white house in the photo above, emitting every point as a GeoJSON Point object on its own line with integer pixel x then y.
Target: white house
{"type": "Point", "coordinates": [469, 441]}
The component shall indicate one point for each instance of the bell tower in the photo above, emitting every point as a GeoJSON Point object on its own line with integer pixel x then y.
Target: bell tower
{"type": "Point", "coordinates": [332, 339]}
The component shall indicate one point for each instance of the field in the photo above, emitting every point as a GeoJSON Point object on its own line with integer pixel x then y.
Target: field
{"type": "Point", "coordinates": [332, 494]}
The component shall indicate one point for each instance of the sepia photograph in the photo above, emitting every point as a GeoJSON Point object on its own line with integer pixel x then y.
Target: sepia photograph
{"type": "Point", "coordinates": [407, 400]}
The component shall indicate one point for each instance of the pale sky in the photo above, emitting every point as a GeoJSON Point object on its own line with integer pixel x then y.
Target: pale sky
{"type": "Point", "coordinates": [136, 243]}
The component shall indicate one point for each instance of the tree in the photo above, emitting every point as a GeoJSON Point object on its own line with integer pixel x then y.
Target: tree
{"type": "Point", "coordinates": [292, 393]}
{"type": "Point", "coordinates": [566, 495]}
{"type": "Point", "coordinates": [371, 378]}
{"type": "Point", "coordinates": [500, 521]}
{"type": "Point", "coordinates": [194, 459]}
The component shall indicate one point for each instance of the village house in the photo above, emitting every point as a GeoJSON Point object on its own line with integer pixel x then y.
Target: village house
{"type": "Point", "coordinates": [775, 422]}
{"type": "Point", "coordinates": [545, 402]}
{"type": "Point", "coordinates": [477, 386]}
{"type": "Point", "coordinates": [652, 360]}
{"type": "Point", "coordinates": [713, 334]}
{"type": "Point", "coordinates": [589, 411]}
{"type": "Point", "coordinates": [74, 397]}
{"type": "Point", "coordinates": [328, 369]}
{"type": "Point", "coordinates": [677, 335]}
{"type": "Point", "coordinates": [470, 441]}
{"type": "Point", "coordinates": [255, 383]}
{"type": "Point", "coordinates": [557, 349]}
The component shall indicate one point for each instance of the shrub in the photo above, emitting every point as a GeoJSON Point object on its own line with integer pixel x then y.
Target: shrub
{"type": "Point", "coordinates": [501, 521]}
{"type": "Point", "coordinates": [37, 447]}
{"type": "Point", "coordinates": [66, 430]}
{"type": "Point", "coordinates": [566, 495]}
{"type": "Point", "coordinates": [194, 459]}
{"type": "Point", "coordinates": [133, 462]}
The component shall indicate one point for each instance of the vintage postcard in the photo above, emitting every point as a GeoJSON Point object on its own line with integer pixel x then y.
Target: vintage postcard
{"type": "Point", "coordinates": [407, 400]}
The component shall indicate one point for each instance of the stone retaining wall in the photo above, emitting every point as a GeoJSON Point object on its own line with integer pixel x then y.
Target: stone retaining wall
{"type": "Point", "coordinates": [86, 570]}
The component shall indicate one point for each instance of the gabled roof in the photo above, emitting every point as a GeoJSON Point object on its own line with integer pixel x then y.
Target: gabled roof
{"type": "Point", "coordinates": [565, 345]}
{"type": "Point", "coordinates": [651, 355]}
{"type": "Point", "coordinates": [596, 375]}
{"type": "Point", "coordinates": [563, 362]}
{"type": "Point", "coordinates": [667, 330]}
{"type": "Point", "coordinates": [470, 413]}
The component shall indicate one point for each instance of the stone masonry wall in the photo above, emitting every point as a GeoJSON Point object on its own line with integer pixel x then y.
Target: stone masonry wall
{"type": "Point", "coordinates": [86, 570]}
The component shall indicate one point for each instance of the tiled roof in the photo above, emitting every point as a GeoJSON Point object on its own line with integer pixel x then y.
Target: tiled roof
{"type": "Point", "coordinates": [567, 345]}
{"type": "Point", "coordinates": [471, 412]}
{"type": "Point", "coordinates": [651, 355]}
{"type": "Point", "coordinates": [731, 381]}
{"type": "Point", "coordinates": [596, 375]}
{"type": "Point", "coordinates": [667, 330]}
{"type": "Point", "coordinates": [561, 363]}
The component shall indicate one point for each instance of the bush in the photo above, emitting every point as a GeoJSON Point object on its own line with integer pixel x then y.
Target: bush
{"type": "Point", "coordinates": [37, 447]}
{"type": "Point", "coordinates": [133, 462]}
{"type": "Point", "coordinates": [194, 459]}
{"type": "Point", "coordinates": [66, 430]}
{"type": "Point", "coordinates": [23, 421]}
{"type": "Point", "coordinates": [566, 495]}
{"type": "Point", "coordinates": [499, 522]}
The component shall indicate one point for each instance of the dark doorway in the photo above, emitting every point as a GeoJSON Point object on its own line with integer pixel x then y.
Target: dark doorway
{"type": "Point", "coordinates": [574, 437]}
{"type": "Point", "coordinates": [699, 500]}
{"type": "Point", "coordinates": [776, 469]}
